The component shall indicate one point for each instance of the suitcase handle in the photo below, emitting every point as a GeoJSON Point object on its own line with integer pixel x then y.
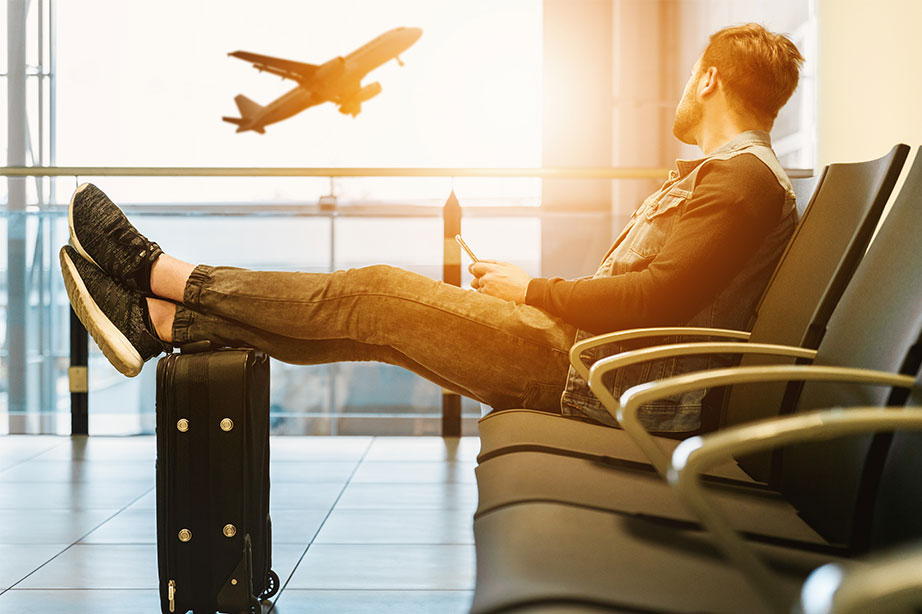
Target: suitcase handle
{"type": "Point", "coordinates": [196, 347]}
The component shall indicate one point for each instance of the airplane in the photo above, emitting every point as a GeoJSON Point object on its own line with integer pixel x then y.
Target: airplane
{"type": "Point", "coordinates": [338, 81]}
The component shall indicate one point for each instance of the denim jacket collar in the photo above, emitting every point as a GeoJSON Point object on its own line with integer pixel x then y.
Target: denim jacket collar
{"type": "Point", "coordinates": [743, 140]}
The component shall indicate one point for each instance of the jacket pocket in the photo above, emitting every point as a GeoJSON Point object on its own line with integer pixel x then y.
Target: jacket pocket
{"type": "Point", "coordinates": [654, 227]}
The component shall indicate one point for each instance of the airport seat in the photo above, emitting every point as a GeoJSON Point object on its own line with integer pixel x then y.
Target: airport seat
{"type": "Point", "coordinates": [545, 554]}
{"type": "Point", "coordinates": [882, 301]}
{"type": "Point", "coordinates": [826, 246]}
{"type": "Point", "coordinates": [887, 583]}
{"type": "Point", "coordinates": [555, 552]}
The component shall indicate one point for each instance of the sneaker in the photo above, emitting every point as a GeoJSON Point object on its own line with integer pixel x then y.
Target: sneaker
{"type": "Point", "coordinates": [116, 317]}
{"type": "Point", "coordinates": [101, 233]}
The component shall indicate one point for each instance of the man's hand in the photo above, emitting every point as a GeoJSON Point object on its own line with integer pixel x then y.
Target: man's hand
{"type": "Point", "coordinates": [500, 279]}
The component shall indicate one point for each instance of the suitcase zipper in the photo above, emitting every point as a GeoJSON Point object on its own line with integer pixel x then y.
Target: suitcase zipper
{"type": "Point", "coordinates": [171, 481]}
{"type": "Point", "coordinates": [171, 488]}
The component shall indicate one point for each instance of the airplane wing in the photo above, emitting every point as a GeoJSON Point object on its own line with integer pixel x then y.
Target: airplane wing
{"type": "Point", "coordinates": [287, 69]}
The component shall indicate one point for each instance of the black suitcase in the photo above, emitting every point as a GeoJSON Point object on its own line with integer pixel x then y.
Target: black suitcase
{"type": "Point", "coordinates": [214, 535]}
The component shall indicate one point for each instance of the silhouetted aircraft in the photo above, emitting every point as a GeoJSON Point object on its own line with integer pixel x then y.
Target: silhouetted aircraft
{"type": "Point", "coordinates": [338, 81]}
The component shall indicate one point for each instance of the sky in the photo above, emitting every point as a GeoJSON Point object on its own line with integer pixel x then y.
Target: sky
{"type": "Point", "coordinates": [147, 83]}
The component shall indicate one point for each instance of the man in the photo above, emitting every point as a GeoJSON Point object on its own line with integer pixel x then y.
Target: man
{"type": "Point", "coordinates": [697, 252]}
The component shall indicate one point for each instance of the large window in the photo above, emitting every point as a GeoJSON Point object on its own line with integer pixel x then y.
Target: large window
{"type": "Point", "coordinates": [147, 85]}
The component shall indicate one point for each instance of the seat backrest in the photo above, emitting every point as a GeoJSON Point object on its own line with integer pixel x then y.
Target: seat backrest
{"type": "Point", "coordinates": [814, 270]}
{"type": "Point", "coordinates": [897, 515]}
{"type": "Point", "coordinates": [804, 189]}
{"type": "Point", "coordinates": [876, 323]}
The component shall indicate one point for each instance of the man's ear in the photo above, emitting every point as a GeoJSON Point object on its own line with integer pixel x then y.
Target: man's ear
{"type": "Point", "coordinates": [707, 84]}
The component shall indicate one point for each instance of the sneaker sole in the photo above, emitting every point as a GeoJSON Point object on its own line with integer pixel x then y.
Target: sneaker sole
{"type": "Point", "coordinates": [74, 242]}
{"type": "Point", "coordinates": [114, 345]}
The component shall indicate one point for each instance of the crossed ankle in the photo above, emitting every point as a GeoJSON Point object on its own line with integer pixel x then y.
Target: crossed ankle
{"type": "Point", "coordinates": [160, 318]}
{"type": "Point", "coordinates": [168, 277]}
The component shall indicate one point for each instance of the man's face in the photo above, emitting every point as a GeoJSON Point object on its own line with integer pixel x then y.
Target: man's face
{"type": "Point", "coordinates": [689, 112]}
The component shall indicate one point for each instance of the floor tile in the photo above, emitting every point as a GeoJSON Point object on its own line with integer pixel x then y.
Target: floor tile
{"type": "Point", "coordinates": [285, 557]}
{"type": "Point", "coordinates": [312, 472]}
{"type": "Point", "coordinates": [17, 448]}
{"type": "Point", "coordinates": [101, 448]}
{"type": "Point", "coordinates": [303, 496]}
{"type": "Point", "coordinates": [383, 567]}
{"type": "Point", "coordinates": [79, 601]}
{"type": "Point", "coordinates": [296, 526]}
{"type": "Point", "coordinates": [308, 448]}
{"type": "Point", "coordinates": [76, 496]}
{"type": "Point", "coordinates": [397, 527]}
{"type": "Point", "coordinates": [421, 472]}
{"type": "Point", "coordinates": [35, 470]}
{"type": "Point", "coordinates": [297, 601]}
{"type": "Point", "coordinates": [49, 526]}
{"type": "Point", "coordinates": [409, 496]}
{"type": "Point", "coordinates": [17, 561]}
{"type": "Point", "coordinates": [148, 501]}
{"type": "Point", "coordinates": [98, 566]}
{"type": "Point", "coordinates": [415, 449]}
{"type": "Point", "coordinates": [130, 526]}
{"type": "Point", "coordinates": [32, 444]}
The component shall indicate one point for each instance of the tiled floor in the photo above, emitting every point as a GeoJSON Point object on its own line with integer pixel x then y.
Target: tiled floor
{"type": "Point", "coordinates": [360, 524]}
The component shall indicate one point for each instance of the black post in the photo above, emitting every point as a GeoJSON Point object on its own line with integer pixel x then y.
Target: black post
{"type": "Point", "coordinates": [79, 378]}
{"type": "Point", "coordinates": [451, 274]}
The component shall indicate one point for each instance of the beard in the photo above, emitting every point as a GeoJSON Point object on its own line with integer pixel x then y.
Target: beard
{"type": "Point", "coordinates": [687, 117]}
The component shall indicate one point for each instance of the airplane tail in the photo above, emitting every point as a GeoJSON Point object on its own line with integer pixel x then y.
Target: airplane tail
{"type": "Point", "coordinates": [248, 109]}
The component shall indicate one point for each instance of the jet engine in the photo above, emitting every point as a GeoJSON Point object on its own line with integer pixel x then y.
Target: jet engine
{"type": "Point", "coordinates": [350, 108]}
{"type": "Point", "coordinates": [368, 92]}
{"type": "Point", "coordinates": [354, 105]}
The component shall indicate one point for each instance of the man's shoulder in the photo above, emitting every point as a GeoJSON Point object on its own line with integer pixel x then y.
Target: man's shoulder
{"type": "Point", "coordinates": [744, 174]}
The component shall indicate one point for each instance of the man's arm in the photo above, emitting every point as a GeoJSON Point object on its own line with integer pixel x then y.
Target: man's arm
{"type": "Point", "coordinates": [735, 206]}
{"type": "Point", "coordinates": [501, 279]}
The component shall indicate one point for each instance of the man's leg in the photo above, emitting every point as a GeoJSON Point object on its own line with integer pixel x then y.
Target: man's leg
{"type": "Point", "coordinates": [481, 346]}
{"type": "Point", "coordinates": [199, 326]}
{"type": "Point", "coordinates": [501, 353]}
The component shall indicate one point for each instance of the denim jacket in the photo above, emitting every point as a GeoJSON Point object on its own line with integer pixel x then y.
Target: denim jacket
{"type": "Point", "coordinates": [645, 234]}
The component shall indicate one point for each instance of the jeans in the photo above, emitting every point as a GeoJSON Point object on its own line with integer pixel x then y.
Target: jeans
{"type": "Point", "coordinates": [482, 347]}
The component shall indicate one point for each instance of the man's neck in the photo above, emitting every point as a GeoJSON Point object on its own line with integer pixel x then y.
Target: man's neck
{"type": "Point", "coordinates": [712, 140]}
{"type": "Point", "coordinates": [715, 134]}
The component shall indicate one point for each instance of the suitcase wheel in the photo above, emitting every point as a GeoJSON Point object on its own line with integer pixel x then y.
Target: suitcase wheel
{"type": "Point", "coordinates": [272, 585]}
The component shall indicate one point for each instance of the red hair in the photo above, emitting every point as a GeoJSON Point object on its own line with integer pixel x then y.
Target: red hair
{"type": "Point", "coordinates": [760, 69]}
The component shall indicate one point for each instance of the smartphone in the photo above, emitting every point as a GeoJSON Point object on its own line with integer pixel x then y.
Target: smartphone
{"type": "Point", "coordinates": [466, 248]}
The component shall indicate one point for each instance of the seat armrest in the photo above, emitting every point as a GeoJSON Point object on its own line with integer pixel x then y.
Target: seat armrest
{"type": "Point", "coordinates": [639, 333]}
{"type": "Point", "coordinates": [888, 583]}
{"type": "Point", "coordinates": [695, 456]}
{"type": "Point", "coordinates": [629, 406]}
{"type": "Point", "coordinates": [624, 359]}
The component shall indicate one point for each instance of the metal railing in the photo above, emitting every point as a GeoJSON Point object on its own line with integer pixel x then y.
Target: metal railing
{"type": "Point", "coordinates": [286, 171]}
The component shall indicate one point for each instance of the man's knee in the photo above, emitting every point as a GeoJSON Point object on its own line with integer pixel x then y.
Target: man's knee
{"type": "Point", "coordinates": [386, 279]}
